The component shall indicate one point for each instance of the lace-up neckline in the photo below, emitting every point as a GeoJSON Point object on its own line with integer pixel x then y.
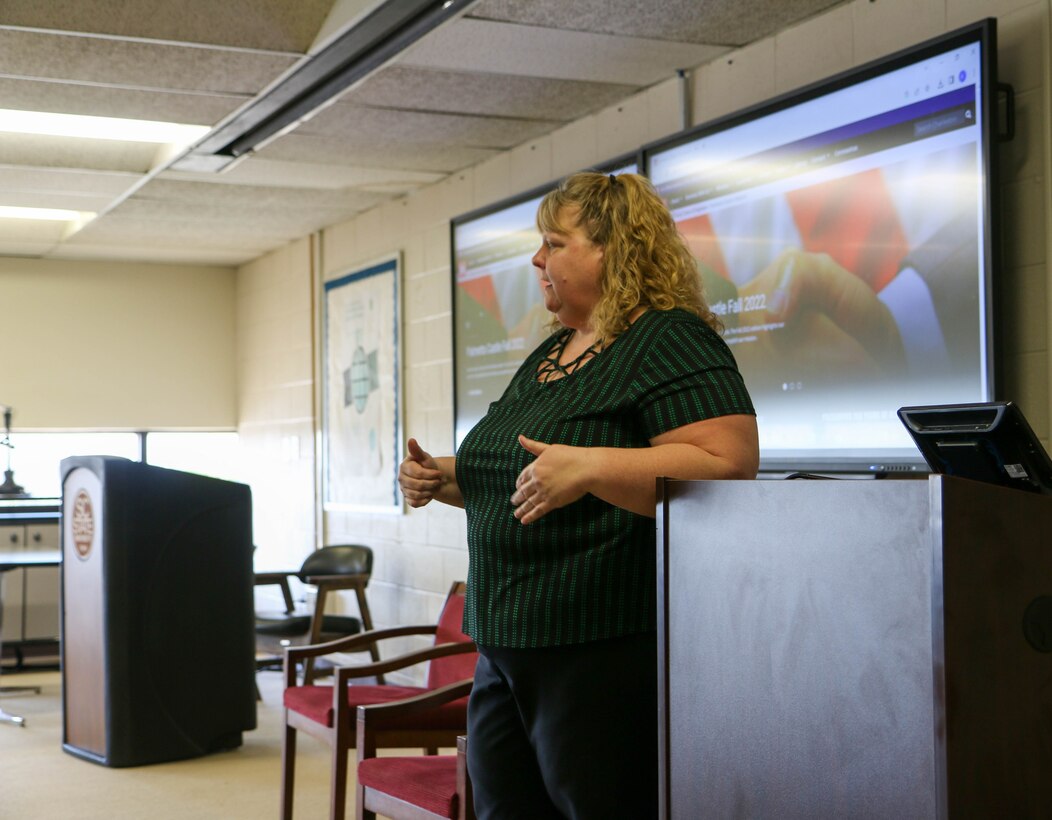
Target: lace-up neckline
{"type": "Point", "coordinates": [550, 369]}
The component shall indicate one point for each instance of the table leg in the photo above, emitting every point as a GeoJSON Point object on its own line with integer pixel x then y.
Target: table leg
{"type": "Point", "coordinates": [14, 720]}
{"type": "Point", "coordinates": [7, 717]}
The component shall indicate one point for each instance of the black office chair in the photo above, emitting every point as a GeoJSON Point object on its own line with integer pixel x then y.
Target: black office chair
{"type": "Point", "coordinates": [329, 569]}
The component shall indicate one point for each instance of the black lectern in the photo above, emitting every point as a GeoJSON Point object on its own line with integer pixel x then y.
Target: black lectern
{"type": "Point", "coordinates": [157, 612]}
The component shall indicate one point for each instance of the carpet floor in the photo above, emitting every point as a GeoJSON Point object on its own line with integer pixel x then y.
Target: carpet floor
{"type": "Point", "coordinates": [40, 780]}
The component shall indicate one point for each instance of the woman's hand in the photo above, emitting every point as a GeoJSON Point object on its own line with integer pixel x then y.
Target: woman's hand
{"type": "Point", "coordinates": [724, 447]}
{"type": "Point", "coordinates": [419, 475]}
{"type": "Point", "coordinates": [554, 479]}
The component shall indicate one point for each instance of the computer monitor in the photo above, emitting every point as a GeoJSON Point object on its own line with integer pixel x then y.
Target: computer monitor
{"type": "Point", "coordinates": [988, 441]}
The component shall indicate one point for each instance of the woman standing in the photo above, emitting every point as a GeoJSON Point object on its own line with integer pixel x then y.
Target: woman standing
{"type": "Point", "coordinates": [558, 481]}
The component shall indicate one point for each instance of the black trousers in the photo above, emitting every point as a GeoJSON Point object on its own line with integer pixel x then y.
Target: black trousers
{"type": "Point", "coordinates": [565, 732]}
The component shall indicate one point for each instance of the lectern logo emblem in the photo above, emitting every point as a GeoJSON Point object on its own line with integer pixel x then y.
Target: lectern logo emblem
{"type": "Point", "coordinates": [83, 525]}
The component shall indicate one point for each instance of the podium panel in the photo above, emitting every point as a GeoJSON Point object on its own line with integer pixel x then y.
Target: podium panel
{"type": "Point", "coordinates": [158, 652]}
{"type": "Point", "coordinates": [854, 649]}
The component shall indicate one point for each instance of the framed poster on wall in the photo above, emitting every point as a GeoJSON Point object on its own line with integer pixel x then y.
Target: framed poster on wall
{"type": "Point", "coordinates": [361, 389]}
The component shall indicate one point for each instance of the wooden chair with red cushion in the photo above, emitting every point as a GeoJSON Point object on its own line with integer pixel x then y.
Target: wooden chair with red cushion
{"type": "Point", "coordinates": [411, 788]}
{"type": "Point", "coordinates": [327, 712]}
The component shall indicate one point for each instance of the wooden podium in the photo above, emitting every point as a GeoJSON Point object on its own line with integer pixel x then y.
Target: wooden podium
{"type": "Point", "coordinates": [854, 649]}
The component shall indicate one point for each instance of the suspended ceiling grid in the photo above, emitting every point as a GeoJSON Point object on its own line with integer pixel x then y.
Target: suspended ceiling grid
{"type": "Point", "coordinates": [501, 73]}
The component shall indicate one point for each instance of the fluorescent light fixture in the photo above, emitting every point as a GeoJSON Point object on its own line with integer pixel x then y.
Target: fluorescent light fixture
{"type": "Point", "coordinates": [100, 128]}
{"type": "Point", "coordinates": [73, 220]}
{"type": "Point", "coordinates": [49, 214]}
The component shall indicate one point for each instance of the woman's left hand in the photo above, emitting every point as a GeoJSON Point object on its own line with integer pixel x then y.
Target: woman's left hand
{"type": "Point", "coordinates": [554, 479]}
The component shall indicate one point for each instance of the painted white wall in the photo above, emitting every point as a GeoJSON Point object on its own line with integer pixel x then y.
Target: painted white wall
{"type": "Point", "coordinates": [420, 553]}
{"type": "Point", "coordinates": [275, 389]}
{"type": "Point", "coordinates": [116, 345]}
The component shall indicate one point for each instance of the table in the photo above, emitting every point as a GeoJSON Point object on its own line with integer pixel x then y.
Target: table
{"type": "Point", "coordinates": [20, 559]}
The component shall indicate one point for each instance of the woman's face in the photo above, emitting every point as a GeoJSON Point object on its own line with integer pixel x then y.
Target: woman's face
{"type": "Point", "coordinates": [569, 266]}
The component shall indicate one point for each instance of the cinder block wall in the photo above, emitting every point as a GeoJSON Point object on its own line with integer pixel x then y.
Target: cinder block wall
{"type": "Point", "coordinates": [420, 553]}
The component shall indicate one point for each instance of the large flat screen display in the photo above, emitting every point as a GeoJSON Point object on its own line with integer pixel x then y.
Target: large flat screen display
{"type": "Point", "coordinates": [845, 236]}
{"type": "Point", "coordinates": [498, 311]}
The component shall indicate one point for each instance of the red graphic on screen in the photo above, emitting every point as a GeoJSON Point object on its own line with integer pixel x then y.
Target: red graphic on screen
{"type": "Point", "coordinates": [703, 243]}
{"type": "Point", "coordinates": [482, 291]}
{"type": "Point", "coordinates": [853, 220]}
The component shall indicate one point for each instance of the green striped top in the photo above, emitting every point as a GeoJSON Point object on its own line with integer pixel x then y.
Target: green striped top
{"type": "Point", "coordinates": [586, 571]}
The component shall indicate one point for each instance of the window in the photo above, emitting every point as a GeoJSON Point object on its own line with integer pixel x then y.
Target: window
{"type": "Point", "coordinates": [212, 454]}
{"type": "Point", "coordinates": [36, 458]}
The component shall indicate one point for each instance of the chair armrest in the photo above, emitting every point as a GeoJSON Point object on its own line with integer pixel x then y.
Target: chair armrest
{"type": "Point", "coordinates": [377, 714]}
{"type": "Point", "coordinates": [343, 674]}
{"type": "Point", "coordinates": [354, 643]}
{"type": "Point", "coordinates": [357, 643]}
{"type": "Point", "coordinates": [442, 650]}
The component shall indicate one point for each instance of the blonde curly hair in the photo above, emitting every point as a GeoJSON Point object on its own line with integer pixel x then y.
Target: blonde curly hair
{"type": "Point", "coordinates": [646, 263]}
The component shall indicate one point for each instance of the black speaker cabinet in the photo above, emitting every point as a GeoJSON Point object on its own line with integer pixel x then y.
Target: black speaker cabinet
{"type": "Point", "coordinates": [157, 612]}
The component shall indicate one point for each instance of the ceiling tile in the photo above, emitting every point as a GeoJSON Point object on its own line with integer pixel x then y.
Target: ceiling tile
{"type": "Point", "coordinates": [507, 48]}
{"type": "Point", "coordinates": [93, 60]}
{"type": "Point", "coordinates": [103, 101]}
{"type": "Point", "coordinates": [221, 216]}
{"type": "Point", "coordinates": [21, 247]}
{"type": "Point", "coordinates": [277, 25]}
{"type": "Point", "coordinates": [159, 220]}
{"type": "Point", "coordinates": [32, 230]}
{"type": "Point", "coordinates": [370, 152]}
{"type": "Point", "coordinates": [359, 123]}
{"type": "Point", "coordinates": [715, 22]}
{"type": "Point", "coordinates": [212, 200]}
{"type": "Point", "coordinates": [63, 181]}
{"type": "Point", "coordinates": [114, 228]}
{"type": "Point", "coordinates": [463, 92]}
{"type": "Point", "coordinates": [50, 199]}
{"type": "Point", "coordinates": [70, 152]}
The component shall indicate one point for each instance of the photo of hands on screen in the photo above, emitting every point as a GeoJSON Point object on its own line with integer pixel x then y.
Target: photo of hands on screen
{"type": "Point", "coordinates": [840, 240]}
{"type": "Point", "coordinates": [840, 280]}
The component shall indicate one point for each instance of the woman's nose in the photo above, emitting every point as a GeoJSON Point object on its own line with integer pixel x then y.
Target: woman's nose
{"type": "Point", "coordinates": [538, 258]}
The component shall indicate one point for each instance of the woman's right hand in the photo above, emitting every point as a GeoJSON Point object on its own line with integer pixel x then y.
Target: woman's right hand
{"type": "Point", "coordinates": [419, 475]}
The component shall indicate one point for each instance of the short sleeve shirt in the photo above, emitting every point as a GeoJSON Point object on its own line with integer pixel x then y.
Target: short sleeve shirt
{"type": "Point", "coordinates": [586, 571]}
